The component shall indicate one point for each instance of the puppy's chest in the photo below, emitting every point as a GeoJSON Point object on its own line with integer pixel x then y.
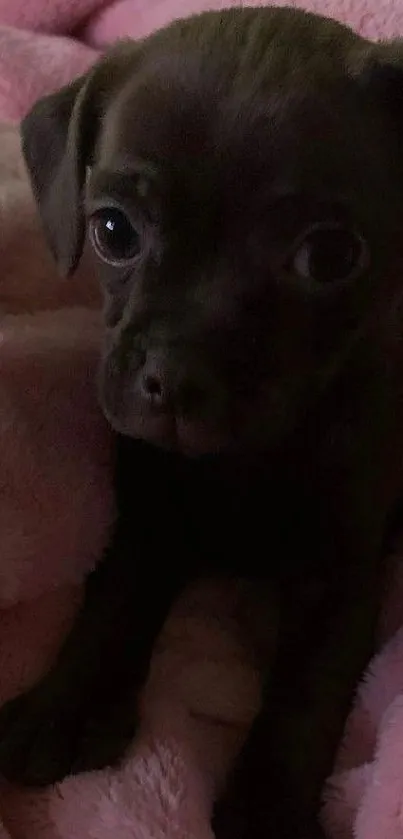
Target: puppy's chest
{"type": "Point", "coordinates": [264, 531]}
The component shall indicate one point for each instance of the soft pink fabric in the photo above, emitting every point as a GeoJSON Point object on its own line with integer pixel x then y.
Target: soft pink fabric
{"type": "Point", "coordinates": [56, 507]}
{"type": "Point", "coordinates": [136, 18]}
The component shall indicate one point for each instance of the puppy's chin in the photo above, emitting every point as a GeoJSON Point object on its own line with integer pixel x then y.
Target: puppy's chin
{"type": "Point", "coordinates": [189, 438]}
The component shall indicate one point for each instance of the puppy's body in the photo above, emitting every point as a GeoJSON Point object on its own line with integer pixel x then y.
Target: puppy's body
{"type": "Point", "coordinates": [241, 179]}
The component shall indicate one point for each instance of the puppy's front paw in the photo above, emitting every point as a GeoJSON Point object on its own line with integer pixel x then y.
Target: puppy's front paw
{"type": "Point", "coordinates": [38, 735]}
{"type": "Point", "coordinates": [230, 824]}
{"type": "Point", "coordinates": [45, 735]}
{"type": "Point", "coordinates": [241, 814]}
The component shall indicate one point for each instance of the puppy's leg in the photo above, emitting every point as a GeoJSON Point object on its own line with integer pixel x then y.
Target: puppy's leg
{"type": "Point", "coordinates": [276, 787]}
{"type": "Point", "coordinates": [49, 731]}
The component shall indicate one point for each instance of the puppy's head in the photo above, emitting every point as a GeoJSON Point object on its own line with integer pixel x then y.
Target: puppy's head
{"type": "Point", "coordinates": [240, 178]}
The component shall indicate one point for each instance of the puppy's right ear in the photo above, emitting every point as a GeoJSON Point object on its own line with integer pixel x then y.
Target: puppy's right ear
{"type": "Point", "coordinates": [58, 136]}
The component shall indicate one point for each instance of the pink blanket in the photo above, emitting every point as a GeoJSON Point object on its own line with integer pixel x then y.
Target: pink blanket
{"type": "Point", "coordinates": [55, 506]}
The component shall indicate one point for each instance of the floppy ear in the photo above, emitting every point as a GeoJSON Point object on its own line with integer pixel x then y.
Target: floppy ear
{"type": "Point", "coordinates": [58, 140]}
{"type": "Point", "coordinates": [57, 136]}
{"type": "Point", "coordinates": [380, 71]}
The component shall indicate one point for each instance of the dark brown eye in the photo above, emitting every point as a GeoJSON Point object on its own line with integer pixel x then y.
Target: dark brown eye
{"type": "Point", "coordinates": [113, 236]}
{"type": "Point", "coordinates": [329, 254]}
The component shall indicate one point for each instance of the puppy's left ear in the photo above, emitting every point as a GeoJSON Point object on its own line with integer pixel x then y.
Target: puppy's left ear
{"type": "Point", "coordinates": [57, 136]}
{"type": "Point", "coordinates": [58, 141]}
{"type": "Point", "coordinates": [379, 69]}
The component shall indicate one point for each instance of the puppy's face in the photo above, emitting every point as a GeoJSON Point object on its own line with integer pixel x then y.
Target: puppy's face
{"type": "Point", "coordinates": [239, 181]}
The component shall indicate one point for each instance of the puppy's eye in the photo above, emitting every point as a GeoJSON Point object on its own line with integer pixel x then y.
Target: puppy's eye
{"type": "Point", "coordinates": [113, 236]}
{"type": "Point", "coordinates": [328, 254]}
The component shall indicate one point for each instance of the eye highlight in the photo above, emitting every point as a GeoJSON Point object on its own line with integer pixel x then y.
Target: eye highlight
{"type": "Point", "coordinates": [114, 237]}
{"type": "Point", "coordinates": [327, 254]}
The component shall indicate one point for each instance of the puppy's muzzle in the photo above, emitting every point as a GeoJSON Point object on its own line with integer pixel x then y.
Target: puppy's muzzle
{"type": "Point", "coordinates": [176, 404]}
{"type": "Point", "coordinates": [167, 390]}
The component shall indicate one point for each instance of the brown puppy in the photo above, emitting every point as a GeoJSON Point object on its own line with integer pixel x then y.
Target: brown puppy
{"type": "Point", "coordinates": [240, 177]}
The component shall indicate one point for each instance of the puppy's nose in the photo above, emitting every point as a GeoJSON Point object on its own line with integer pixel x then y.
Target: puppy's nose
{"type": "Point", "coordinates": [166, 387]}
{"type": "Point", "coordinates": [154, 386]}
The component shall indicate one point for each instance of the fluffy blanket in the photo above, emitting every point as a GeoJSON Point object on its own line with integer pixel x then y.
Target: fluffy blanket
{"type": "Point", "coordinates": [56, 508]}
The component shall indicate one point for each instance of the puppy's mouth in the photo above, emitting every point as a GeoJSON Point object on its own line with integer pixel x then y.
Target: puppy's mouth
{"type": "Point", "coordinates": [192, 438]}
{"type": "Point", "coordinates": [195, 439]}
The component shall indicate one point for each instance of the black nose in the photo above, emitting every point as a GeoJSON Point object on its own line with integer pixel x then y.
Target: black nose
{"type": "Point", "coordinates": [167, 387]}
{"type": "Point", "coordinates": [154, 385]}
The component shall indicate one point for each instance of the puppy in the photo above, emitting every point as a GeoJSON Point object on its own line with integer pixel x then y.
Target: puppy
{"type": "Point", "coordinates": [239, 177]}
